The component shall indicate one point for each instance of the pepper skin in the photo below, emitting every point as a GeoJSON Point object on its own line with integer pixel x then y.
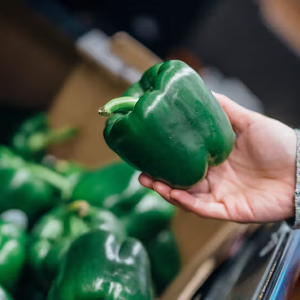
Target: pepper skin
{"type": "Point", "coordinates": [102, 187]}
{"type": "Point", "coordinates": [148, 217]}
{"type": "Point", "coordinates": [9, 159]}
{"type": "Point", "coordinates": [116, 187]}
{"type": "Point", "coordinates": [31, 188]}
{"type": "Point", "coordinates": [34, 136]}
{"type": "Point", "coordinates": [164, 257]}
{"type": "Point", "coordinates": [99, 265]}
{"type": "Point", "coordinates": [12, 253]}
{"type": "Point", "coordinates": [69, 169]}
{"type": "Point", "coordinates": [55, 231]}
{"type": "Point", "coordinates": [169, 126]}
{"type": "Point", "coordinates": [4, 295]}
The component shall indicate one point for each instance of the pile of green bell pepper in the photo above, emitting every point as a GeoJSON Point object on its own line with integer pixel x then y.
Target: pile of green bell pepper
{"type": "Point", "coordinates": [54, 232]}
{"type": "Point", "coordinates": [115, 187]}
{"type": "Point", "coordinates": [144, 214]}
{"type": "Point", "coordinates": [113, 201]}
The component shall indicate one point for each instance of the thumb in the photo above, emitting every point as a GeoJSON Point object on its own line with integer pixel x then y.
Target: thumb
{"type": "Point", "coordinates": [239, 117]}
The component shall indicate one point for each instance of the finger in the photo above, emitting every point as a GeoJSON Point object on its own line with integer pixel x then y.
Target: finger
{"type": "Point", "coordinates": [146, 181]}
{"type": "Point", "coordinates": [204, 205]}
{"type": "Point", "coordinates": [164, 190]}
{"type": "Point", "coordinates": [239, 116]}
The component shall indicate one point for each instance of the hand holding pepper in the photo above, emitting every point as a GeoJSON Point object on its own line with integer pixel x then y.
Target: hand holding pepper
{"type": "Point", "coordinates": [255, 184]}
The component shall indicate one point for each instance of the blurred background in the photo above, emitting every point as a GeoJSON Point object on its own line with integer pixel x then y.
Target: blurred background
{"type": "Point", "coordinates": [69, 57]}
{"type": "Point", "coordinates": [246, 49]}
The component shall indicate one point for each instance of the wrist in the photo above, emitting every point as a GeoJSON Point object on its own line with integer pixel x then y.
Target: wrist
{"type": "Point", "coordinates": [294, 221]}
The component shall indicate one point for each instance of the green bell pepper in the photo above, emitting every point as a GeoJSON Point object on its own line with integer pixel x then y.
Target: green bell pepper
{"type": "Point", "coordinates": [103, 186]}
{"type": "Point", "coordinates": [169, 126]}
{"type": "Point", "coordinates": [148, 217]}
{"type": "Point", "coordinates": [8, 159]}
{"type": "Point", "coordinates": [69, 169]}
{"type": "Point", "coordinates": [34, 136]}
{"type": "Point", "coordinates": [4, 295]}
{"type": "Point", "coordinates": [12, 253]}
{"type": "Point", "coordinates": [30, 187]}
{"type": "Point", "coordinates": [99, 265]}
{"type": "Point", "coordinates": [116, 187]}
{"type": "Point", "coordinates": [164, 258]}
{"type": "Point", "coordinates": [55, 231]}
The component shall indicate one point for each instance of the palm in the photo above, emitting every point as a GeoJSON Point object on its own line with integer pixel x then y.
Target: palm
{"type": "Point", "coordinates": [255, 184]}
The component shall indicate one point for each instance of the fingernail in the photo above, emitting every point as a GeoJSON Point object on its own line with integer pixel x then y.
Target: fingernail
{"type": "Point", "coordinates": [153, 186]}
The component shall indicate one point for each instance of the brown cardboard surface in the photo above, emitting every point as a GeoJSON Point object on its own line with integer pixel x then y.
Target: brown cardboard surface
{"type": "Point", "coordinates": [193, 232]}
{"type": "Point", "coordinates": [132, 52]}
{"type": "Point", "coordinates": [77, 103]}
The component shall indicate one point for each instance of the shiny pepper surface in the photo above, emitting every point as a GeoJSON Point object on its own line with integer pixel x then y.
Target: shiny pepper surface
{"type": "Point", "coordinates": [4, 295]}
{"type": "Point", "coordinates": [103, 186]}
{"type": "Point", "coordinates": [148, 216]}
{"type": "Point", "coordinates": [169, 126]}
{"type": "Point", "coordinates": [12, 253]}
{"type": "Point", "coordinates": [116, 187]}
{"type": "Point", "coordinates": [8, 159]}
{"type": "Point", "coordinates": [101, 266]}
{"type": "Point", "coordinates": [55, 231]}
{"type": "Point", "coordinates": [165, 258]}
{"type": "Point", "coordinates": [29, 187]}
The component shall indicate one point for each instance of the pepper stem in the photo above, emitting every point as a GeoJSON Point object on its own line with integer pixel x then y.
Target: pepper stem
{"type": "Point", "coordinates": [122, 104]}
{"type": "Point", "coordinates": [40, 141]}
{"type": "Point", "coordinates": [80, 206]}
{"type": "Point", "coordinates": [51, 177]}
